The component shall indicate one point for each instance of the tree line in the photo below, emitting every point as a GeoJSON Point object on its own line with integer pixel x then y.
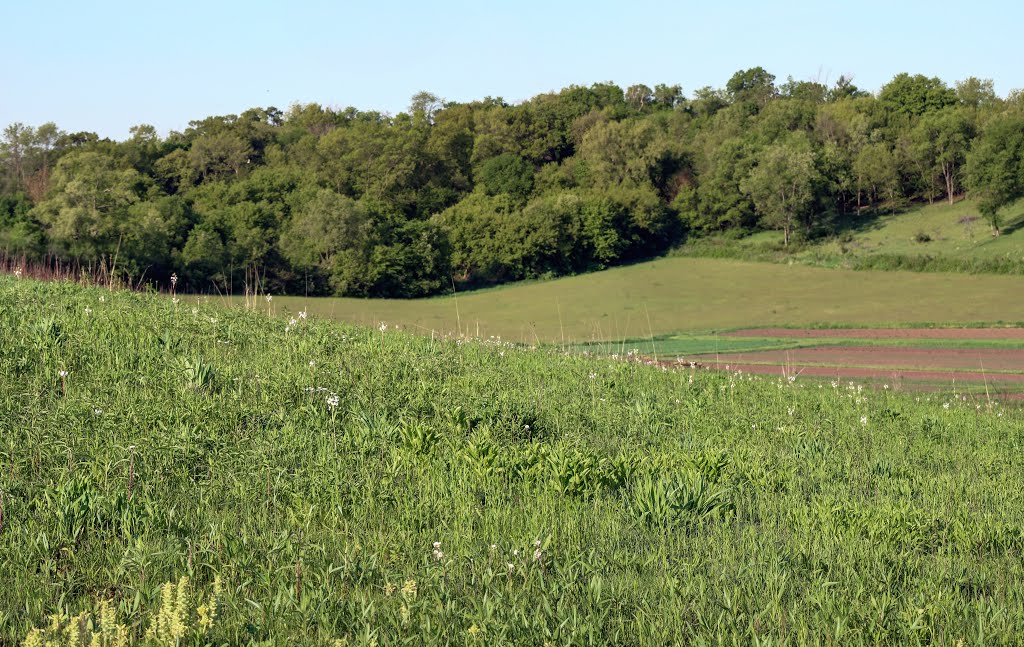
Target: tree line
{"type": "Point", "coordinates": [362, 203]}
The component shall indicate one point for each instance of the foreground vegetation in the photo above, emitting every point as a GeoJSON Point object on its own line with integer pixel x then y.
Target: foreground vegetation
{"type": "Point", "coordinates": [317, 482]}
{"type": "Point", "coordinates": [315, 200]}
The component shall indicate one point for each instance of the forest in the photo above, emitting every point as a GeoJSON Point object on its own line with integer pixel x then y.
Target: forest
{"type": "Point", "coordinates": [321, 200]}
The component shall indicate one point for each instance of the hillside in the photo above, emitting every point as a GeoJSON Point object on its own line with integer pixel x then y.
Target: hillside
{"type": "Point", "coordinates": [318, 482]}
{"type": "Point", "coordinates": [933, 237]}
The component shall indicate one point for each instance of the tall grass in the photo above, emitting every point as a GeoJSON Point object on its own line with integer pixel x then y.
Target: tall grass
{"type": "Point", "coordinates": [371, 487]}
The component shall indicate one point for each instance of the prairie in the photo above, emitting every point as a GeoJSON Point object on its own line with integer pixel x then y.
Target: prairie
{"type": "Point", "coordinates": [322, 483]}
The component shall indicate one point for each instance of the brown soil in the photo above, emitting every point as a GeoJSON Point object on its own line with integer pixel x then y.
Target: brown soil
{"type": "Point", "coordinates": [883, 333]}
{"type": "Point", "coordinates": [882, 357]}
{"type": "Point", "coordinates": [879, 362]}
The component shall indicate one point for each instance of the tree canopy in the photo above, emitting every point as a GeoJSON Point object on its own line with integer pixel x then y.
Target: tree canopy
{"type": "Point", "coordinates": [353, 202]}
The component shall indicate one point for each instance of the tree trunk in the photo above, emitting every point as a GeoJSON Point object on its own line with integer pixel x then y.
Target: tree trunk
{"type": "Point", "coordinates": [947, 172]}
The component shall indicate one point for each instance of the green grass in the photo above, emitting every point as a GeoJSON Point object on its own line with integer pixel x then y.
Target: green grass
{"type": "Point", "coordinates": [937, 237]}
{"type": "Point", "coordinates": [310, 468]}
{"type": "Point", "coordinates": [951, 230]}
{"type": "Point", "coordinates": [685, 294]}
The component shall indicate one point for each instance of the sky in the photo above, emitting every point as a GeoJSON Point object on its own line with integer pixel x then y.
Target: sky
{"type": "Point", "coordinates": [104, 66]}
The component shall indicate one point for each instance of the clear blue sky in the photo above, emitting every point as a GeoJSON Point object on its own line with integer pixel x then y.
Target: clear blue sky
{"type": "Point", "coordinates": [105, 66]}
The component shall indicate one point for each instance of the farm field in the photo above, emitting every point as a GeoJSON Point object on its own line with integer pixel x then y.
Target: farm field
{"type": "Point", "coordinates": [320, 483]}
{"type": "Point", "coordinates": [942, 359]}
{"type": "Point", "coordinates": [671, 295]}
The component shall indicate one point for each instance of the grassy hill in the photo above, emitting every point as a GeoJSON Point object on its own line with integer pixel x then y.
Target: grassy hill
{"type": "Point", "coordinates": [318, 483]}
{"type": "Point", "coordinates": [954, 236]}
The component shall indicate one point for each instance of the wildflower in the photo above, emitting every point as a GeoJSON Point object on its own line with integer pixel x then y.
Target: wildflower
{"type": "Point", "coordinates": [302, 314]}
{"type": "Point", "coordinates": [175, 300]}
{"type": "Point", "coordinates": [593, 376]}
{"type": "Point", "coordinates": [269, 298]}
{"type": "Point", "coordinates": [292, 322]}
{"type": "Point", "coordinates": [863, 420]}
{"type": "Point", "coordinates": [17, 273]}
{"type": "Point", "coordinates": [945, 405]}
{"type": "Point", "coordinates": [389, 589]}
{"type": "Point", "coordinates": [515, 553]}
{"type": "Point", "coordinates": [62, 373]}
{"type": "Point", "coordinates": [312, 363]}
{"type": "Point", "coordinates": [494, 547]}
{"type": "Point", "coordinates": [537, 554]}
{"type": "Point", "coordinates": [791, 410]}
{"type": "Point", "coordinates": [98, 412]}
{"type": "Point", "coordinates": [473, 631]}
{"type": "Point", "coordinates": [536, 543]}
{"type": "Point", "coordinates": [174, 280]}
{"type": "Point", "coordinates": [383, 327]}
{"type": "Point", "coordinates": [103, 299]}
{"type": "Point", "coordinates": [511, 567]}
{"type": "Point", "coordinates": [333, 400]}
{"type": "Point", "coordinates": [88, 311]}
{"type": "Point", "coordinates": [438, 553]}
{"type": "Point", "coordinates": [409, 588]}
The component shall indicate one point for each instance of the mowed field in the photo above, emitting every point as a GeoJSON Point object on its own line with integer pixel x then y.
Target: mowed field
{"type": "Point", "coordinates": [686, 294]}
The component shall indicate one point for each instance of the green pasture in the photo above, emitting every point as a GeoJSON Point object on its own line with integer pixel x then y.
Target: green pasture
{"type": "Point", "coordinates": [179, 474]}
{"type": "Point", "coordinates": [670, 295]}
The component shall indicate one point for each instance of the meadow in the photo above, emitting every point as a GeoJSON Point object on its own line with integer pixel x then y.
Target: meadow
{"type": "Point", "coordinates": [188, 474]}
{"type": "Point", "coordinates": [671, 295]}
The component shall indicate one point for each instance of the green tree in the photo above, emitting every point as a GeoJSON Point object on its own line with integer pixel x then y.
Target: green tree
{"type": "Point", "coordinates": [782, 185]}
{"type": "Point", "coordinates": [87, 215]}
{"type": "Point", "coordinates": [876, 173]}
{"type": "Point", "coordinates": [940, 141]}
{"type": "Point", "coordinates": [507, 173]}
{"type": "Point", "coordinates": [754, 87]}
{"type": "Point", "coordinates": [915, 95]}
{"type": "Point", "coordinates": [328, 225]}
{"type": "Point", "coordinates": [995, 167]}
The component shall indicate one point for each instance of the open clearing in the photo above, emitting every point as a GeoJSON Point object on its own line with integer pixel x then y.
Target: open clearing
{"type": "Point", "coordinates": [687, 294]}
